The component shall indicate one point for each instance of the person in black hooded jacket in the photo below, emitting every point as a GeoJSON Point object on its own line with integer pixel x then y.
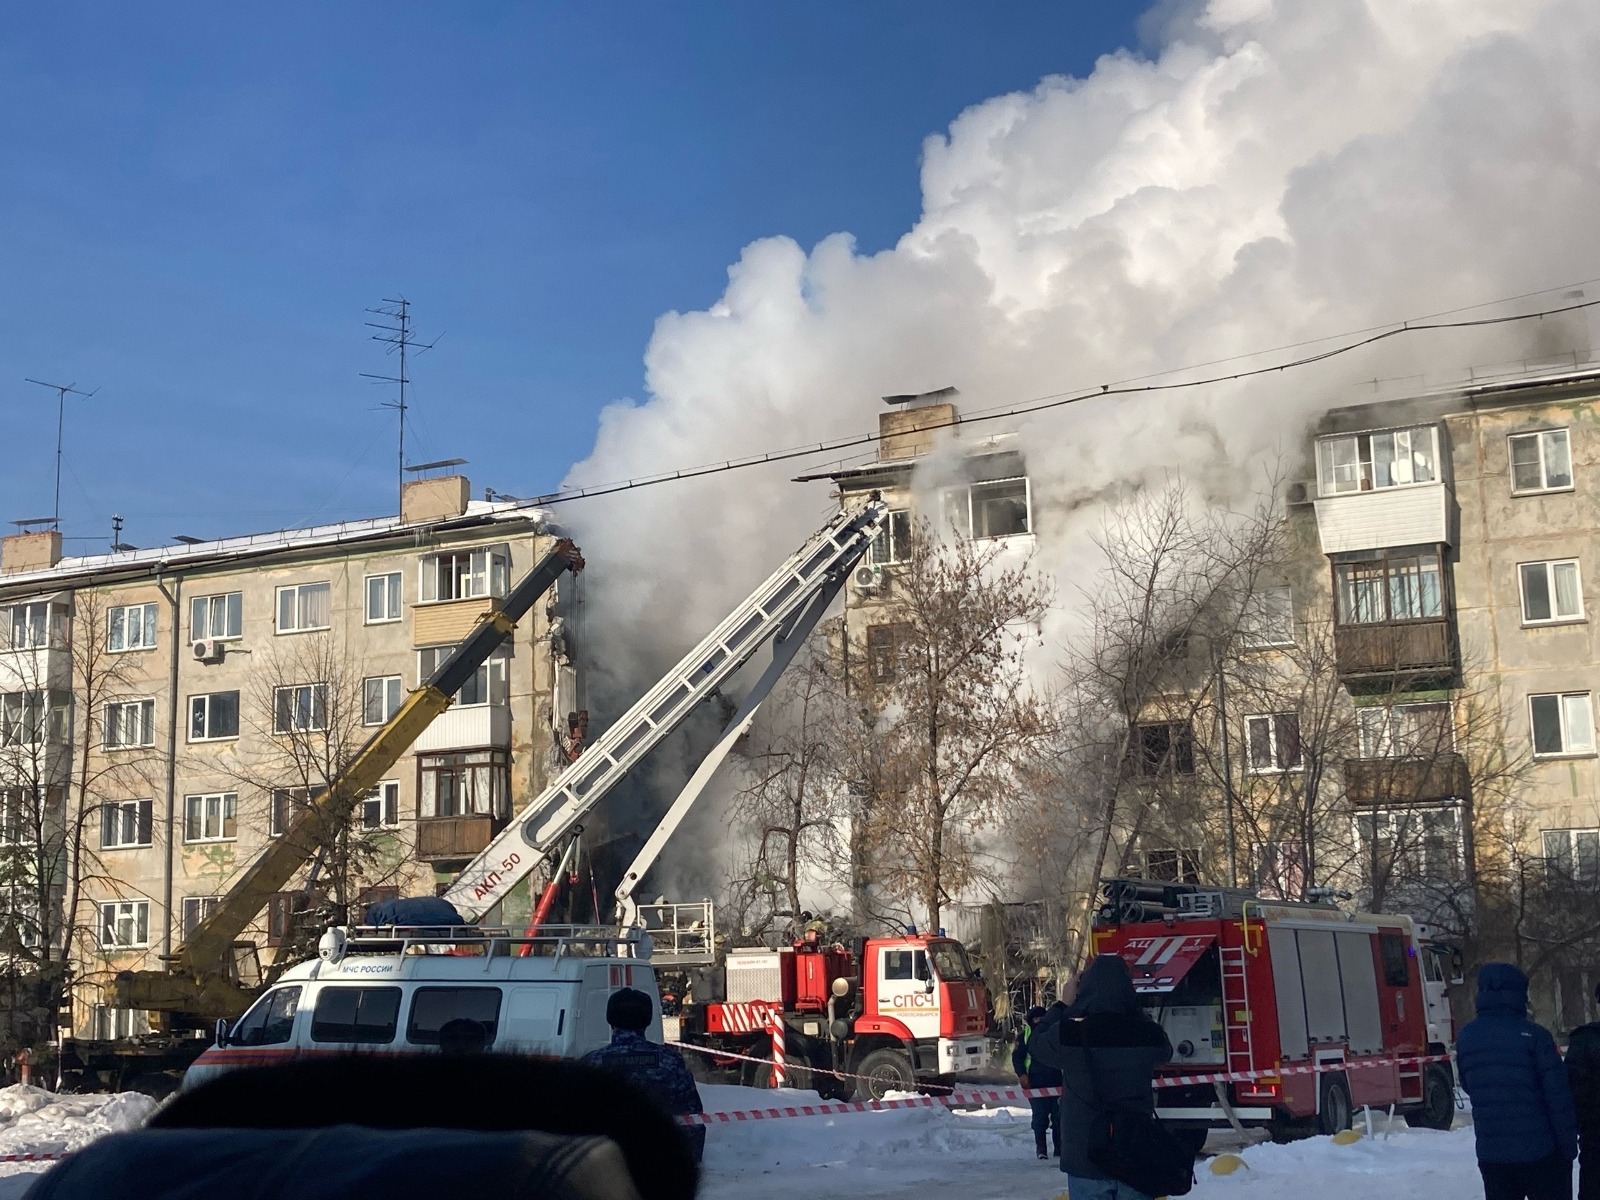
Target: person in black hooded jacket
{"type": "Point", "coordinates": [1583, 1073]}
{"type": "Point", "coordinates": [1107, 1051]}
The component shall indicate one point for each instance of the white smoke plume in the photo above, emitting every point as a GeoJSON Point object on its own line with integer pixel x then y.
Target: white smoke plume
{"type": "Point", "coordinates": [1276, 171]}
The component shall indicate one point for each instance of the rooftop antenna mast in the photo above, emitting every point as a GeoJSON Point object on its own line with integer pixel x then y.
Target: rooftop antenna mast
{"type": "Point", "coordinates": [62, 391]}
{"type": "Point", "coordinates": [394, 331]}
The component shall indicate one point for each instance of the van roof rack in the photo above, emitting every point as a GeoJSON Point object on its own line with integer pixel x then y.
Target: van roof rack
{"type": "Point", "coordinates": [579, 941]}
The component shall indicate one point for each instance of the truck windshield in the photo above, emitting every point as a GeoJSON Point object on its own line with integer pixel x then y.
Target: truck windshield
{"type": "Point", "coordinates": [950, 960]}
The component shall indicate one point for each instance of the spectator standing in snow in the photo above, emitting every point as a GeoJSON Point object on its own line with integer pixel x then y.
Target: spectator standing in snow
{"type": "Point", "coordinates": [1583, 1073]}
{"type": "Point", "coordinates": [1522, 1114]}
{"type": "Point", "coordinates": [1107, 1051]}
{"type": "Point", "coordinates": [1031, 1074]}
{"type": "Point", "coordinates": [657, 1070]}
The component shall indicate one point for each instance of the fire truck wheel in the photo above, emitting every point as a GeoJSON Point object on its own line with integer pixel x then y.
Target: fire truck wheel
{"type": "Point", "coordinates": [830, 1087]}
{"type": "Point", "coordinates": [1438, 1109]}
{"type": "Point", "coordinates": [885, 1071]}
{"type": "Point", "coordinates": [797, 1074]}
{"type": "Point", "coordinates": [1333, 1115]}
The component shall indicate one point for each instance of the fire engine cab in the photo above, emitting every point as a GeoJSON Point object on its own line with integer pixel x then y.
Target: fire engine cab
{"type": "Point", "coordinates": [898, 1012]}
{"type": "Point", "coordinates": [1330, 1010]}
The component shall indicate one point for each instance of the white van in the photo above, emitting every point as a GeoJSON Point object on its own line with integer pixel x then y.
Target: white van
{"type": "Point", "coordinates": [391, 990]}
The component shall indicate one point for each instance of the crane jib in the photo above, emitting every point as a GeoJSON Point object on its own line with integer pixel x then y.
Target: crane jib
{"type": "Point", "coordinates": [821, 562]}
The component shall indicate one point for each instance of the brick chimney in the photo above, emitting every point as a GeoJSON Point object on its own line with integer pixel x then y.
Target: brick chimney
{"type": "Point", "coordinates": [434, 499]}
{"type": "Point", "coordinates": [908, 429]}
{"type": "Point", "coordinates": [30, 551]}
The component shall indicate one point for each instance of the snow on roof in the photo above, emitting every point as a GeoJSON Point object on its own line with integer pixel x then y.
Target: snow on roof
{"type": "Point", "coordinates": [250, 544]}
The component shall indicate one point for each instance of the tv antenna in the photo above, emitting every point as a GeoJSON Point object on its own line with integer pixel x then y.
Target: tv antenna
{"type": "Point", "coordinates": [62, 391]}
{"type": "Point", "coordinates": [394, 331]}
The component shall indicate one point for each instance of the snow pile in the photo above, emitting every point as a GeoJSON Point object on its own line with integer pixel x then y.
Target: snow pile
{"type": "Point", "coordinates": [930, 1153]}
{"type": "Point", "coordinates": [34, 1121]}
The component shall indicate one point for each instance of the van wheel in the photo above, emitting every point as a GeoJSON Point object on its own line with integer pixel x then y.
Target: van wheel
{"type": "Point", "coordinates": [884, 1071]}
{"type": "Point", "coordinates": [1438, 1109]}
{"type": "Point", "coordinates": [1333, 1116]}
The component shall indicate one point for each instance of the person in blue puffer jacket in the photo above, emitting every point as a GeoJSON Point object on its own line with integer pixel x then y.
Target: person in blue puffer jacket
{"type": "Point", "coordinates": [1522, 1113]}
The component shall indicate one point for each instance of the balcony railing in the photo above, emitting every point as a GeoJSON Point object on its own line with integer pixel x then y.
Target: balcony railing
{"type": "Point", "coordinates": [444, 838]}
{"type": "Point", "coordinates": [1395, 648]}
{"type": "Point", "coordinates": [1386, 781]}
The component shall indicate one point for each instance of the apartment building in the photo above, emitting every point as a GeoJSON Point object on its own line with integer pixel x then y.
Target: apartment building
{"type": "Point", "coordinates": [166, 710]}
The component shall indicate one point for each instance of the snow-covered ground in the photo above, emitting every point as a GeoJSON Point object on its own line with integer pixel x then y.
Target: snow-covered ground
{"type": "Point", "coordinates": [927, 1153]}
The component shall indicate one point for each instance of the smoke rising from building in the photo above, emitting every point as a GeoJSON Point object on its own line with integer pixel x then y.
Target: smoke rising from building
{"type": "Point", "coordinates": [1272, 172]}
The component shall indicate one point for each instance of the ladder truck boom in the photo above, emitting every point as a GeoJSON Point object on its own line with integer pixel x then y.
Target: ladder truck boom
{"type": "Point", "coordinates": [202, 977]}
{"type": "Point", "coordinates": [781, 610]}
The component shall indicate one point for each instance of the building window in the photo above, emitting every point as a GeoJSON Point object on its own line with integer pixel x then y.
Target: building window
{"type": "Point", "coordinates": [892, 543]}
{"type": "Point", "coordinates": [129, 723]}
{"type": "Point", "coordinates": [1279, 870]}
{"type": "Point", "coordinates": [380, 808]}
{"type": "Point", "coordinates": [1551, 591]}
{"type": "Point", "coordinates": [1164, 748]}
{"type": "Point", "coordinates": [125, 824]}
{"type": "Point", "coordinates": [1573, 855]}
{"type": "Point", "coordinates": [995, 509]}
{"type": "Point", "coordinates": [380, 698]}
{"type": "Point", "coordinates": [1363, 462]}
{"type": "Point", "coordinates": [1274, 742]}
{"type": "Point", "coordinates": [463, 575]}
{"type": "Point", "coordinates": [213, 716]}
{"type": "Point", "coordinates": [282, 806]}
{"type": "Point", "coordinates": [131, 627]}
{"type": "Point", "coordinates": [124, 924]}
{"type": "Point", "coordinates": [28, 718]}
{"type": "Point", "coordinates": [488, 682]}
{"type": "Point", "coordinates": [32, 626]}
{"type": "Point", "coordinates": [197, 909]}
{"type": "Point", "coordinates": [300, 708]}
{"type": "Point", "coordinates": [1170, 866]}
{"type": "Point", "coordinates": [885, 644]}
{"type": "Point", "coordinates": [1378, 590]}
{"type": "Point", "coordinates": [383, 598]}
{"type": "Point", "coordinates": [283, 909]}
{"type": "Point", "coordinates": [214, 618]}
{"type": "Point", "coordinates": [304, 606]}
{"type": "Point", "coordinates": [459, 784]}
{"type": "Point", "coordinates": [1541, 462]}
{"type": "Point", "coordinates": [1404, 731]}
{"type": "Point", "coordinates": [1562, 724]}
{"type": "Point", "coordinates": [1268, 618]}
{"type": "Point", "coordinates": [1411, 843]}
{"type": "Point", "coordinates": [210, 818]}
{"type": "Point", "coordinates": [23, 815]}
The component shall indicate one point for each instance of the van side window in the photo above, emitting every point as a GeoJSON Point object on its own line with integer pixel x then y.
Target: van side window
{"type": "Point", "coordinates": [432, 1008]}
{"type": "Point", "coordinates": [367, 1015]}
{"type": "Point", "coordinates": [270, 1022]}
{"type": "Point", "coordinates": [1396, 963]}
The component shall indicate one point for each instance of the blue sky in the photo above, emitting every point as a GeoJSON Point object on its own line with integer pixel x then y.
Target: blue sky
{"type": "Point", "coordinates": [198, 201]}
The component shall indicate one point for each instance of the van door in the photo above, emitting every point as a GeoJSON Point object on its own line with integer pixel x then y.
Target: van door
{"type": "Point", "coordinates": [538, 1018]}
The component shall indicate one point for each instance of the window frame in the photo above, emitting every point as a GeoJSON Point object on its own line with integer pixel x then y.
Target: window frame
{"type": "Point", "coordinates": [1571, 863]}
{"type": "Point", "coordinates": [227, 809]}
{"type": "Point", "coordinates": [1566, 750]}
{"type": "Point", "coordinates": [394, 683]}
{"type": "Point", "coordinates": [143, 823]}
{"type": "Point", "coordinates": [278, 626]}
{"type": "Point", "coordinates": [394, 596]}
{"type": "Point", "coordinates": [149, 623]}
{"type": "Point", "coordinates": [963, 527]}
{"type": "Point", "coordinates": [494, 672]}
{"type": "Point", "coordinates": [894, 537]}
{"type": "Point", "coordinates": [884, 650]}
{"type": "Point", "coordinates": [1365, 479]}
{"type": "Point", "coordinates": [1403, 859]}
{"type": "Point", "coordinates": [1385, 560]}
{"type": "Point", "coordinates": [106, 723]}
{"type": "Point", "coordinates": [495, 574]}
{"type": "Point", "coordinates": [205, 906]}
{"type": "Point", "coordinates": [317, 704]}
{"type": "Point", "coordinates": [1274, 727]}
{"type": "Point", "coordinates": [494, 762]}
{"type": "Point", "coordinates": [1550, 565]}
{"type": "Point", "coordinates": [1248, 627]}
{"type": "Point", "coordinates": [386, 795]}
{"type": "Point", "coordinates": [51, 635]}
{"type": "Point", "coordinates": [1538, 436]}
{"type": "Point", "coordinates": [138, 911]}
{"type": "Point", "coordinates": [232, 615]}
{"type": "Point", "coordinates": [1171, 762]}
{"type": "Point", "coordinates": [209, 736]}
{"type": "Point", "coordinates": [1389, 736]}
{"type": "Point", "coordinates": [281, 805]}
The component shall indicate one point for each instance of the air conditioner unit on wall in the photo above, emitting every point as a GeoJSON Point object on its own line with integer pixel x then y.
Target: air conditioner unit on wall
{"type": "Point", "coordinates": [867, 580]}
{"type": "Point", "coordinates": [209, 650]}
{"type": "Point", "coordinates": [1300, 491]}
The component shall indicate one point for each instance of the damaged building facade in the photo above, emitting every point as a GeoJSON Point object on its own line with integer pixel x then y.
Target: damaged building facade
{"type": "Point", "coordinates": [167, 711]}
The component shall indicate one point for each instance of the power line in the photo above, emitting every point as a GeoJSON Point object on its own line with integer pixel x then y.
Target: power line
{"type": "Point", "coordinates": [1061, 399]}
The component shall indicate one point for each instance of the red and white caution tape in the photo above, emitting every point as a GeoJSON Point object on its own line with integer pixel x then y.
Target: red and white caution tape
{"type": "Point", "coordinates": [5, 1158]}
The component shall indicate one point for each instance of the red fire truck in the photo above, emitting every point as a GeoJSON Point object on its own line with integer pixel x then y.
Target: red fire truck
{"type": "Point", "coordinates": [899, 1012]}
{"type": "Point", "coordinates": [1249, 985]}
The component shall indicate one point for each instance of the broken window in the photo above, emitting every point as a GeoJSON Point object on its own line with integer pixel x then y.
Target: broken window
{"type": "Point", "coordinates": [1164, 748]}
